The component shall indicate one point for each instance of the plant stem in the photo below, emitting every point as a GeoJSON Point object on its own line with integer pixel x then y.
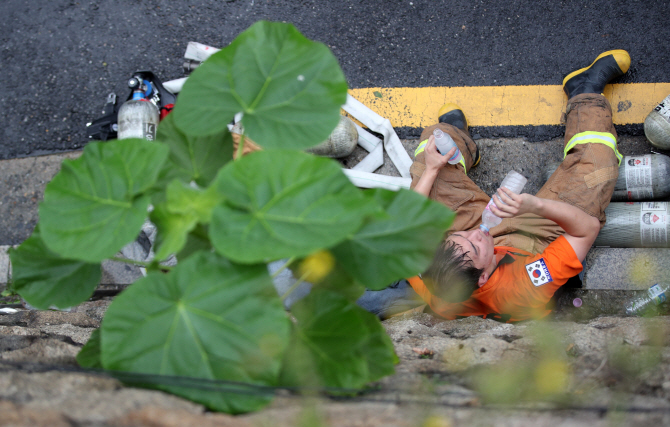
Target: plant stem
{"type": "Point", "coordinates": [293, 287]}
{"type": "Point", "coordinates": [283, 267]}
{"type": "Point", "coordinates": [130, 261]}
{"type": "Point", "coordinates": [140, 263]}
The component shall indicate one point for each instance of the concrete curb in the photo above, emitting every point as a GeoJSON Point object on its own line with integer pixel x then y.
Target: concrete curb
{"type": "Point", "coordinates": [5, 267]}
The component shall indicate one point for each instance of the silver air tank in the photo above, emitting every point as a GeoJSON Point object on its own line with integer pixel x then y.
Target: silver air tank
{"type": "Point", "coordinates": [657, 125]}
{"type": "Point", "coordinates": [635, 225]}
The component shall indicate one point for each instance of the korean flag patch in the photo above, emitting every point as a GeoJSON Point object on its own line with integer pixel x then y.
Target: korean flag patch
{"type": "Point", "coordinates": [538, 272]}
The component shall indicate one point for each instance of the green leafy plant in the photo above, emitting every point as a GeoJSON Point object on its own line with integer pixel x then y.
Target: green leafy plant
{"type": "Point", "coordinates": [216, 315]}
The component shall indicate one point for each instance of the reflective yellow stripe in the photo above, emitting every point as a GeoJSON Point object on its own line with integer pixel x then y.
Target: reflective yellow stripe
{"type": "Point", "coordinates": [463, 163]}
{"type": "Point", "coordinates": [422, 146]}
{"type": "Point", "coordinates": [593, 137]}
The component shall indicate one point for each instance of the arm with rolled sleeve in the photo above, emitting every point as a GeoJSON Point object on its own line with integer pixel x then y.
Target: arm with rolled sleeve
{"type": "Point", "coordinates": [581, 229]}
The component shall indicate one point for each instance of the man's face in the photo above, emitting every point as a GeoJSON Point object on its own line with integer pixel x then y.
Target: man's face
{"type": "Point", "coordinates": [478, 246]}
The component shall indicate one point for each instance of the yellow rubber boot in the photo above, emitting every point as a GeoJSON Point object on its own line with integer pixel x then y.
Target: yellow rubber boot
{"type": "Point", "coordinates": [592, 79]}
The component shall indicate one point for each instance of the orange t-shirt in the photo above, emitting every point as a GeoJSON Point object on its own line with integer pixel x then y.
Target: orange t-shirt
{"type": "Point", "coordinates": [519, 288]}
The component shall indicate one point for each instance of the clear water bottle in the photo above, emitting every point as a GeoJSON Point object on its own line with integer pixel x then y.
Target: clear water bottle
{"type": "Point", "coordinates": [138, 117]}
{"type": "Point", "coordinates": [656, 295]}
{"type": "Point", "coordinates": [657, 125]}
{"type": "Point", "coordinates": [444, 143]}
{"type": "Point", "coordinates": [514, 182]}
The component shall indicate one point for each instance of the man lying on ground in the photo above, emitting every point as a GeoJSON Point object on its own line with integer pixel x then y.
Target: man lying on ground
{"type": "Point", "coordinates": [511, 272]}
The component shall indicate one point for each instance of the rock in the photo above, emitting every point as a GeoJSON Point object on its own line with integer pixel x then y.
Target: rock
{"type": "Point", "coordinates": [610, 361]}
{"type": "Point", "coordinates": [35, 318]}
{"type": "Point", "coordinates": [93, 309]}
{"type": "Point", "coordinates": [153, 416]}
{"type": "Point", "coordinates": [31, 349]}
{"type": "Point", "coordinates": [84, 399]}
{"type": "Point", "coordinates": [17, 416]}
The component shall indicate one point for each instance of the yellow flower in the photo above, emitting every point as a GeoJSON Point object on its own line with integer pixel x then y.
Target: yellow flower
{"type": "Point", "coordinates": [316, 266]}
{"type": "Point", "coordinates": [551, 376]}
{"type": "Point", "coordinates": [436, 421]}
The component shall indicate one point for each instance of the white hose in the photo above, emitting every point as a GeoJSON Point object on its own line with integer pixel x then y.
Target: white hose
{"type": "Point", "coordinates": [377, 123]}
{"type": "Point", "coordinates": [374, 180]}
{"type": "Point", "coordinates": [374, 145]}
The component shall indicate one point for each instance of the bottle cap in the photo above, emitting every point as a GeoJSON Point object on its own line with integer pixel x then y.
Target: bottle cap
{"type": "Point", "coordinates": [577, 302]}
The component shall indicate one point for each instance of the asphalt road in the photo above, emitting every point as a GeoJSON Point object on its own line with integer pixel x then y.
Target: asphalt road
{"type": "Point", "coordinates": [60, 58]}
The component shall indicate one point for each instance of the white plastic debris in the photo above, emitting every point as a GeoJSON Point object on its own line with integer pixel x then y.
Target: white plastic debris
{"type": "Point", "coordinates": [176, 85]}
{"type": "Point", "coordinates": [8, 310]}
{"type": "Point", "coordinates": [199, 52]}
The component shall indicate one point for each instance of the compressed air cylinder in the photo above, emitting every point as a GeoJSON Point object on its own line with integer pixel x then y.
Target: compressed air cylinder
{"type": "Point", "coordinates": [657, 125]}
{"type": "Point", "coordinates": [341, 142]}
{"type": "Point", "coordinates": [635, 225]}
{"type": "Point", "coordinates": [640, 178]}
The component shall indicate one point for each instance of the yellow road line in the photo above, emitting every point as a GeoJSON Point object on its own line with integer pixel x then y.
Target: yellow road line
{"type": "Point", "coordinates": [504, 105]}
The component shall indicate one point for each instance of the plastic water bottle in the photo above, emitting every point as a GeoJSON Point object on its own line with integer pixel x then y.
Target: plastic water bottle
{"type": "Point", "coordinates": [138, 117]}
{"type": "Point", "coordinates": [657, 125]}
{"type": "Point", "coordinates": [514, 182]}
{"type": "Point", "coordinates": [444, 143]}
{"type": "Point", "coordinates": [656, 295]}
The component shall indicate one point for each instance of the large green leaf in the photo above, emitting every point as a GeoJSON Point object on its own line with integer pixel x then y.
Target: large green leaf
{"type": "Point", "coordinates": [281, 203]}
{"type": "Point", "coordinates": [335, 343]}
{"type": "Point", "coordinates": [402, 244]}
{"type": "Point", "coordinates": [193, 158]}
{"type": "Point", "coordinates": [197, 240]}
{"type": "Point", "coordinates": [289, 88]}
{"type": "Point", "coordinates": [207, 319]}
{"type": "Point", "coordinates": [96, 204]}
{"type": "Point", "coordinates": [45, 279]}
{"type": "Point", "coordinates": [89, 355]}
{"type": "Point", "coordinates": [175, 218]}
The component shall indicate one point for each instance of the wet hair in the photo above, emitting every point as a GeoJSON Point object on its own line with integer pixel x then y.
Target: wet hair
{"type": "Point", "coordinates": [452, 275]}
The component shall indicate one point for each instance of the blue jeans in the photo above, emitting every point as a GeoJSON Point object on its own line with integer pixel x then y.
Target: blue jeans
{"type": "Point", "coordinates": [394, 299]}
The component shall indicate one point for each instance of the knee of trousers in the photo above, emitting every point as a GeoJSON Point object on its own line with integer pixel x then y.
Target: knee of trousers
{"type": "Point", "coordinates": [585, 179]}
{"type": "Point", "coordinates": [588, 112]}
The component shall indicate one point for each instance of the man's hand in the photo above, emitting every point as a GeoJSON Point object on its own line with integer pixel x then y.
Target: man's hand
{"type": "Point", "coordinates": [434, 163]}
{"type": "Point", "coordinates": [514, 204]}
{"type": "Point", "coordinates": [581, 229]}
{"type": "Point", "coordinates": [434, 160]}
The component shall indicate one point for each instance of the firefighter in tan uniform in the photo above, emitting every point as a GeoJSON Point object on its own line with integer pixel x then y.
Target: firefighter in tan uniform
{"type": "Point", "coordinates": [514, 271]}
